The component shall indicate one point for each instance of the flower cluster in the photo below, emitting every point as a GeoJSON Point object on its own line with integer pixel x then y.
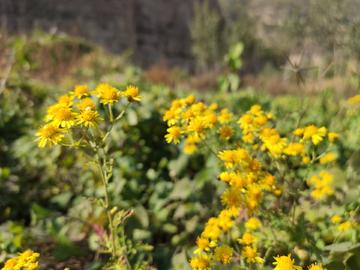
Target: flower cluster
{"type": "Point", "coordinates": [321, 185]}
{"type": "Point", "coordinates": [246, 177]}
{"type": "Point", "coordinates": [61, 116]}
{"type": "Point", "coordinates": [25, 261]}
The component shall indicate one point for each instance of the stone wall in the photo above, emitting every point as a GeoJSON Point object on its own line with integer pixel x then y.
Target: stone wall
{"type": "Point", "coordinates": [156, 30]}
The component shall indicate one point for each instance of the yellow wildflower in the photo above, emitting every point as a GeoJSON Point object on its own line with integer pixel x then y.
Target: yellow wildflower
{"type": "Point", "coordinates": [190, 100]}
{"type": "Point", "coordinates": [231, 197]}
{"type": "Point", "coordinates": [202, 262]}
{"type": "Point", "coordinates": [223, 254]}
{"type": "Point", "coordinates": [197, 127]}
{"type": "Point", "coordinates": [305, 160]}
{"type": "Point", "coordinates": [210, 120]}
{"type": "Point", "coordinates": [253, 223]}
{"type": "Point", "coordinates": [275, 144]}
{"type": "Point", "coordinates": [65, 118]}
{"type": "Point", "coordinates": [329, 157]}
{"type": "Point", "coordinates": [333, 137]}
{"type": "Point", "coordinates": [294, 149]}
{"type": "Point", "coordinates": [228, 157]}
{"type": "Point", "coordinates": [187, 115]}
{"type": "Point", "coordinates": [171, 117]}
{"type": "Point", "coordinates": [315, 266]}
{"type": "Point", "coordinates": [299, 132]}
{"type": "Point", "coordinates": [314, 133]}
{"type": "Point", "coordinates": [251, 255]}
{"type": "Point", "coordinates": [204, 245]}
{"type": "Point", "coordinates": [336, 219]}
{"type": "Point", "coordinates": [174, 134]}
{"type": "Point", "coordinates": [225, 176]}
{"type": "Point", "coordinates": [109, 94]}
{"type": "Point", "coordinates": [199, 108]}
{"type": "Point", "coordinates": [213, 107]}
{"type": "Point", "coordinates": [224, 116]}
{"type": "Point", "coordinates": [344, 226]}
{"type": "Point", "coordinates": [132, 93]}
{"type": "Point", "coordinates": [65, 99]}
{"type": "Point", "coordinates": [49, 133]}
{"type": "Point", "coordinates": [354, 99]}
{"type": "Point", "coordinates": [86, 103]}
{"type": "Point", "coordinates": [89, 118]}
{"type": "Point", "coordinates": [285, 263]}
{"type": "Point", "coordinates": [80, 91]}
{"type": "Point", "coordinates": [245, 121]}
{"type": "Point", "coordinates": [247, 239]}
{"type": "Point", "coordinates": [226, 132]}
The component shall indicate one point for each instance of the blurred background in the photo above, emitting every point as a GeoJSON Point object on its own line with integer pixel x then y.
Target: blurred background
{"type": "Point", "coordinates": [234, 52]}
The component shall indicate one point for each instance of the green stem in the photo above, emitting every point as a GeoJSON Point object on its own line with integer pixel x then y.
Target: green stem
{"type": "Point", "coordinates": [124, 252]}
{"type": "Point", "coordinates": [108, 208]}
{"type": "Point", "coordinates": [83, 136]}
{"type": "Point", "coordinates": [211, 150]}
{"type": "Point", "coordinates": [111, 113]}
{"type": "Point", "coordinates": [112, 124]}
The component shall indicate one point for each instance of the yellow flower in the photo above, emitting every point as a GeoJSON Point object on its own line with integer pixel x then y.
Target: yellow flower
{"type": "Point", "coordinates": [327, 158]}
{"type": "Point", "coordinates": [226, 132]}
{"type": "Point", "coordinates": [315, 266]}
{"type": "Point", "coordinates": [198, 108]}
{"type": "Point", "coordinates": [253, 223]}
{"type": "Point", "coordinates": [64, 117]}
{"type": "Point", "coordinates": [109, 94]}
{"type": "Point", "coordinates": [354, 99]}
{"type": "Point", "coordinates": [336, 219]}
{"type": "Point", "coordinates": [278, 191]}
{"type": "Point", "coordinates": [225, 176]}
{"type": "Point", "coordinates": [275, 144]}
{"type": "Point", "coordinates": [202, 262]}
{"type": "Point", "coordinates": [52, 110]}
{"type": "Point", "coordinates": [132, 93]}
{"type": "Point", "coordinates": [204, 245]}
{"type": "Point", "coordinates": [333, 137]}
{"type": "Point", "coordinates": [10, 264]}
{"type": "Point", "coordinates": [299, 132]}
{"type": "Point", "coordinates": [101, 88]}
{"type": "Point", "coordinates": [223, 254]}
{"type": "Point", "coordinates": [174, 134]}
{"type": "Point", "coordinates": [197, 127]}
{"type": "Point", "coordinates": [247, 239]}
{"type": "Point", "coordinates": [224, 116]}
{"type": "Point", "coordinates": [285, 263]}
{"type": "Point", "coordinates": [49, 133]}
{"type": "Point", "coordinates": [177, 104]}
{"type": "Point", "coordinates": [269, 181]}
{"type": "Point", "coordinates": [251, 255]}
{"type": "Point", "coordinates": [210, 120]}
{"type": "Point", "coordinates": [86, 103]}
{"type": "Point", "coordinates": [255, 109]}
{"type": "Point", "coordinates": [260, 121]}
{"type": "Point", "coordinates": [65, 99]}
{"type": "Point", "coordinates": [254, 193]}
{"type": "Point", "coordinates": [294, 149]}
{"type": "Point", "coordinates": [228, 157]}
{"type": "Point", "coordinates": [314, 133]}
{"type": "Point", "coordinates": [187, 115]}
{"type": "Point", "coordinates": [80, 91]}
{"type": "Point", "coordinates": [190, 100]}
{"type": "Point", "coordinates": [344, 226]}
{"type": "Point", "coordinates": [245, 121]}
{"type": "Point", "coordinates": [171, 117]}
{"type": "Point", "coordinates": [213, 107]}
{"type": "Point", "coordinates": [305, 160]}
{"type": "Point", "coordinates": [237, 180]}
{"type": "Point", "coordinates": [89, 118]}
{"type": "Point", "coordinates": [231, 198]}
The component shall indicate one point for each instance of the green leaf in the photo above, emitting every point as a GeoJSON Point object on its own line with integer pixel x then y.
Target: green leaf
{"type": "Point", "coordinates": [334, 266]}
{"type": "Point", "coordinates": [95, 266]}
{"type": "Point", "coordinates": [343, 247]}
{"type": "Point", "coordinates": [141, 216]}
{"type": "Point", "coordinates": [131, 117]}
{"type": "Point", "coordinates": [62, 199]}
{"type": "Point", "coordinates": [39, 212]}
{"type": "Point", "coordinates": [234, 81]}
{"type": "Point", "coordinates": [66, 249]}
{"type": "Point", "coordinates": [236, 50]}
{"type": "Point", "coordinates": [181, 190]}
{"type": "Point", "coordinates": [353, 262]}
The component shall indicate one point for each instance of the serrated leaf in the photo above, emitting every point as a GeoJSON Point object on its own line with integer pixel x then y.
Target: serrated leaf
{"type": "Point", "coordinates": [334, 266]}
